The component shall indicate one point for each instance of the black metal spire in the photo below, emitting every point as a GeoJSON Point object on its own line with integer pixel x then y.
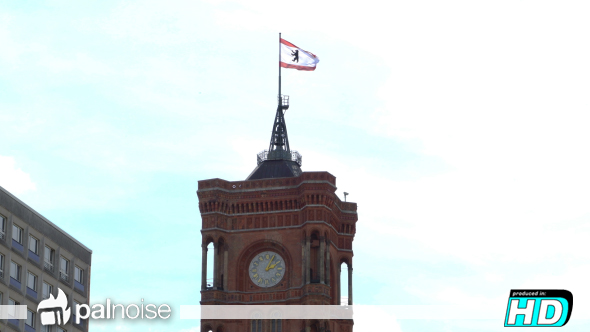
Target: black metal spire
{"type": "Point", "coordinates": [279, 148]}
{"type": "Point", "coordinates": [278, 161]}
{"type": "Point", "coordinates": [279, 140]}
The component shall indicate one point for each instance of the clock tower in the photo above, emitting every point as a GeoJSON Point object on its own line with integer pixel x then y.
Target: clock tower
{"type": "Point", "coordinates": [279, 237]}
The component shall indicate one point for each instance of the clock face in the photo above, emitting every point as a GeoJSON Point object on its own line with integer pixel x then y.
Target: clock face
{"type": "Point", "coordinates": [267, 269]}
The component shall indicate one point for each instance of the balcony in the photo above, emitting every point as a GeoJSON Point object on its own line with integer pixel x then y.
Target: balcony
{"type": "Point", "coordinates": [32, 293]}
{"type": "Point", "coordinates": [78, 285]}
{"type": "Point", "coordinates": [278, 155]}
{"type": "Point", "coordinates": [64, 277]}
{"type": "Point", "coordinates": [15, 283]}
{"type": "Point", "coordinates": [34, 257]}
{"type": "Point", "coordinates": [314, 278]}
{"type": "Point", "coordinates": [210, 283]}
{"type": "Point", "coordinates": [48, 266]}
{"type": "Point", "coordinates": [17, 245]}
{"type": "Point", "coordinates": [2, 236]}
{"type": "Point", "coordinates": [82, 323]}
{"type": "Point", "coordinates": [14, 322]}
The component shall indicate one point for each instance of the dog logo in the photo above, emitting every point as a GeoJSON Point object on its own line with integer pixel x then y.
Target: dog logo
{"type": "Point", "coordinates": [55, 310]}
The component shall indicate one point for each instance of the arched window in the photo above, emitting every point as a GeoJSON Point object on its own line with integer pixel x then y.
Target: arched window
{"type": "Point", "coordinates": [343, 283]}
{"type": "Point", "coordinates": [256, 325]}
{"type": "Point", "coordinates": [210, 264]}
{"type": "Point", "coordinates": [276, 323]}
{"type": "Point", "coordinates": [314, 266]}
{"type": "Point", "coordinates": [220, 262]}
{"type": "Point", "coordinates": [256, 322]}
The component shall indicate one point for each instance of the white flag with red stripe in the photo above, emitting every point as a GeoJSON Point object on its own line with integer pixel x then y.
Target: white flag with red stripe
{"type": "Point", "coordinates": [294, 57]}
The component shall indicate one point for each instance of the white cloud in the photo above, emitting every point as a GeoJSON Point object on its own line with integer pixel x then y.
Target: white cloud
{"type": "Point", "coordinates": [378, 320]}
{"type": "Point", "coordinates": [14, 179]}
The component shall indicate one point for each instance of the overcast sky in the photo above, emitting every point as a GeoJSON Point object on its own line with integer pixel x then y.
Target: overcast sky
{"type": "Point", "coordinates": [459, 127]}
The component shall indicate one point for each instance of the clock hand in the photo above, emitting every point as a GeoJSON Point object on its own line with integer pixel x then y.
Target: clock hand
{"type": "Point", "coordinates": [275, 264]}
{"type": "Point", "coordinates": [267, 267]}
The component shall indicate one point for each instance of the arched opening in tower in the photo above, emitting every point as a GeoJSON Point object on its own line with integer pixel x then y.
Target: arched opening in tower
{"type": "Point", "coordinates": [210, 264]}
{"type": "Point", "coordinates": [343, 283]}
{"type": "Point", "coordinates": [314, 266]}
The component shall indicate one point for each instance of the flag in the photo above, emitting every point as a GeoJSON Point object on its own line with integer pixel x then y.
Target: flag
{"type": "Point", "coordinates": [294, 57]}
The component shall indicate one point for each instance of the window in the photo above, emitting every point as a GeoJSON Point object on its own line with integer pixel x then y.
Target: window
{"type": "Point", "coordinates": [30, 318]}
{"type": "Point", "coordinates": [2, 227]}
{"type": "Point", "coordinates": [45, 328]}
{"type": "Point", "coordinates": [77, 305]}
{"type": "Point", "coordinates": [59, 329]}
{"type": "Point", "coordinates": [32, 281]}
{"type": "Point", "coordinates": [47, 290]}
{"type": "Point", "coordinates": [276, 325]}
{"type": "Point", "coordinates": [15, 271]}
{"type": "Point", "coordinates": [33, 245]}
{"type": "Point", "coordinates": [64, 266]}
{"type": "Point", "coordinates": [79, 275]}
{"type": "Point", "coordinates": [1, 267]}
{"type": "Point", "coordinates": [48, 256]}
{"type": "Point", "coordinates": [17, 234]}
{"type": "Point", "coordinates": [12, 308]}
{"type": "Point", "coordinates": [256, 325]}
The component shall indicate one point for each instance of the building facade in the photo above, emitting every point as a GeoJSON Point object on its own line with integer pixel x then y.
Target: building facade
{"type": "Point", "coordinates": [279, 237]}
{"type": "Point", "coordinates": [37, 258]}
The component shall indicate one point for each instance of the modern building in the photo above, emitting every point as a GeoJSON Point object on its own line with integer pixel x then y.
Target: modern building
{"type": "Point", "coordinates": [37, 258]}
{"type": "Point", "coordinates": [279, 237]}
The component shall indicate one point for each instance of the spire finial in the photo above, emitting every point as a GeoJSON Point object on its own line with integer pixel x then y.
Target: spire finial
{"type": "Point", "coordinates": [279, 148]}
{"type": "Point", "coordinates": [279, 140]}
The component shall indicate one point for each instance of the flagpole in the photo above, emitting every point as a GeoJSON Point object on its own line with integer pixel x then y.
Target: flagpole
{"type": "Point", "coordinates": [279, 99]}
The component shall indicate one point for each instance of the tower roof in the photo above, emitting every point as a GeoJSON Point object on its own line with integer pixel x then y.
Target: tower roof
{"type": "Point", "coordinates": [278, 161]}
{"type": "Point", "coordinates": [275, 169]}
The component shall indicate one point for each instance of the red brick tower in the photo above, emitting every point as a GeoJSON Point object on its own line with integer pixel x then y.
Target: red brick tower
{"type": "Point", "coordinates": [280, 237]}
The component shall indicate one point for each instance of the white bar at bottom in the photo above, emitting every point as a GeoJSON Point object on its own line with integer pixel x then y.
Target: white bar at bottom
{"type": "Point", "coordinates": [13, 311]}
{"type": "Point", "coordinates": [340, 312]}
